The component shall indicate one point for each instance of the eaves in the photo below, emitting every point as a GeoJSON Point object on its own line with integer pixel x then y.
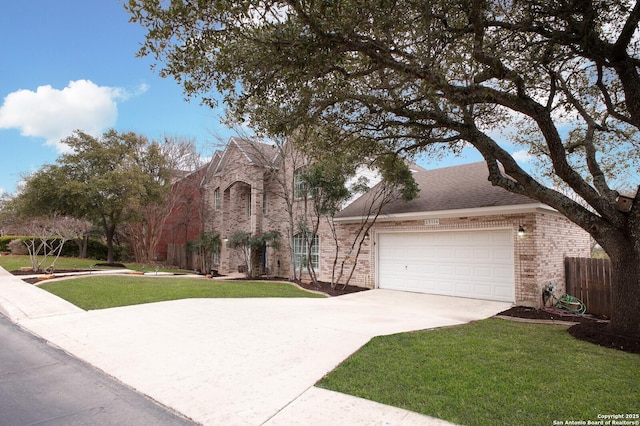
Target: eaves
{"type": "Point", "coordinates": [470, 212]}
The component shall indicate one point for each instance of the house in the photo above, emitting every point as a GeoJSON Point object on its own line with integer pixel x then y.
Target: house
{"type": "Point", "coordinates": [461, 236]}
{"type": "Point", "coordinates": [465, 237]}
{"type": "Point", "coordinates": [244, 188]}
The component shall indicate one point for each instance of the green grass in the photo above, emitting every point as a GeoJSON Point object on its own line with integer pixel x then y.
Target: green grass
{"type": "Point", "coordinates": [493, 372]}
{"type": "Point", "coordinates": [14, 262]}
{"type": "Point", "coordinates": [99, 292]}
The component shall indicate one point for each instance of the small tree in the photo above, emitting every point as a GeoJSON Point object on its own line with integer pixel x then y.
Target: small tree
{"type": "Point", "coordinates": [326, 182]}
{"type": "Point", "coordinates": [397, 183]}
{"type": "Point", "coordinates": [247, 244]}
{"type": "Point", "coordinates": [206, 247]}
{"type": "Point", "coordinates": [161, 163]}
{"type": "Point", "coordinates": [47, 237]}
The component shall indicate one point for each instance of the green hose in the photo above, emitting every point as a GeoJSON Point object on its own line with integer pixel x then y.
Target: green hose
{"type": "Point", "coordinates": [566, 301]}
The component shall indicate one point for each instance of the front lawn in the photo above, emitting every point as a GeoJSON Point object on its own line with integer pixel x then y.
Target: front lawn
{"type": "Point", "coordinates": [493, 372]}
{"type": "Point", "coordinates": [100, 292]}
{"type": "Point", "coordinates": [14, 262]}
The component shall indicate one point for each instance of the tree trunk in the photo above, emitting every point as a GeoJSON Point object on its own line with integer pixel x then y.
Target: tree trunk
{"type": "Point", "coordinates": [84, 247]}
{"type": "Point", "coordinates": [110, 232]}
{"type": "Point", "coordinates": [82, 244]}
{"type": "Point", "coordinates": [625, 318]}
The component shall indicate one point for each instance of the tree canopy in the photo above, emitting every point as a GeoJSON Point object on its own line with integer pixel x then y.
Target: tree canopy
{"type": "Point", "coordinates": [559, 77]}
{"type": "Point", "coordinates": [106, 180]}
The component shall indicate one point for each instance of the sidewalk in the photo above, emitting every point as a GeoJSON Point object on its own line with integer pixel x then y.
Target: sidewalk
{"type": "Point", "coordinates": [231, 361]}
{"type": "Point", "coordinates": [20, 301]}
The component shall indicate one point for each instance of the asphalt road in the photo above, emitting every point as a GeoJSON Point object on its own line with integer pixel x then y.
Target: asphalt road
{"type": "Point", "coordinates": [42, 385]}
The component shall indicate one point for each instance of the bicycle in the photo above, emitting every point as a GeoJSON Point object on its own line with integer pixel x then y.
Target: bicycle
{"type": "Point", "coordinates": [564, 303]}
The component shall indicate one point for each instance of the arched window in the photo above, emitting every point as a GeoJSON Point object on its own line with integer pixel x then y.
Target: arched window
{"type": "Point", "coordinates": [301, 251]}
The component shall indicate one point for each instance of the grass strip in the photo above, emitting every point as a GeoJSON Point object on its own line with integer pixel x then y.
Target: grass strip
{"type": "Point", "coordinates": [14, 262]}
{"type": "Point", "coordinates": [493, 372]}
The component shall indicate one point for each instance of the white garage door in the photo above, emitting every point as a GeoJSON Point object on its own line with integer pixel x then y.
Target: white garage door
{"type": "Point", "coordinates": [475, 264]}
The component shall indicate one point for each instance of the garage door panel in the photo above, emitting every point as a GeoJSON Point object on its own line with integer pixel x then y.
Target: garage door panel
{"type": "Point", "coordinates": [463, 253]}
{"type": "Point", "coordinates": [503, 293]}
{"type": "Point", "coordinates": [482, 255]}
{"type": "Point", "coordinates": [503, 273]}
{"type": "Point", "coordinates": [483, 290]}
{"type": "Point", "coordinates": [482, 272]}
{"type": "Point", "coordinates": [503, 238]}
{"type": "Point", "coordinates": [503, 254]}
{"type": "Point", "coordinates": [477, 264]}
{"type": "Point", "coordinates": [464, 288]}
{"type": "Point", "coordinates": [445, 270]}
{"type": "Point", "coordinates": [463, 271]}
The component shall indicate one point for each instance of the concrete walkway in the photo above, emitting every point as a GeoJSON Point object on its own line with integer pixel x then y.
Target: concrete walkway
{"type": "Point", "coordinates": [240, 361]}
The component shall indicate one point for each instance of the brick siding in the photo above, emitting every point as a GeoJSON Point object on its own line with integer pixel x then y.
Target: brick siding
{"type": "Point", "coordinates": [538, 255]}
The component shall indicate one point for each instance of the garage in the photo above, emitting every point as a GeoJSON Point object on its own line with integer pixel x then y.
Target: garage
{"type": "Point", "coordinates": [476, 264]}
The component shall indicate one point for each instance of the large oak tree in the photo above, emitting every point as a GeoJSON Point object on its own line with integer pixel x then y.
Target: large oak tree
{"type": "Point", "coordinates": [109, 180]}
{"type": "Point", "coordinates": [419, 76]}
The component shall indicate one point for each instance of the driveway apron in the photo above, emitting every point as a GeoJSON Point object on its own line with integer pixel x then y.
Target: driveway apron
{"type": "Point", "coordinates": [243, 361]}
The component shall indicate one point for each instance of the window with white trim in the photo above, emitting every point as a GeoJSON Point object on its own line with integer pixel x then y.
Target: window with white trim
{"type": "Point", "coordinates": [300, 251]}
{"type": "Point", "coordinates": [216, 256]}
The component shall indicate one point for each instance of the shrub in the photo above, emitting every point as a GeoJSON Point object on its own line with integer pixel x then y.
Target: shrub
{"type": "Point", "coordinates": [96, 249]}
{"type": "Point", "coordinates": [16, 246]}
{"type": "Point", "coordinates": [4, 241]}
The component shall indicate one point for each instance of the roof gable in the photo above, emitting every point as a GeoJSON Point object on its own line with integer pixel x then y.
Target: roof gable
{"type": "Point", "coordinates": [248, 152]}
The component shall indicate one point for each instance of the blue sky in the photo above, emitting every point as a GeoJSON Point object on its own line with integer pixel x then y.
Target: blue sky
{"type": "Point", "coordinates": [70, 64]}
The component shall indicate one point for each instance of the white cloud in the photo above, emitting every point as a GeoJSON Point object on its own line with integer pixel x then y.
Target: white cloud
{"type": "Point", "coordinates": [522, 156]}
{"type": "Point", "coordinates": [54, 114]}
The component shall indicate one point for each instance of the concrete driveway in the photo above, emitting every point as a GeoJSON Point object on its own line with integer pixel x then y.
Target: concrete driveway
{"type": "Point", "coordinates": [247, 361]}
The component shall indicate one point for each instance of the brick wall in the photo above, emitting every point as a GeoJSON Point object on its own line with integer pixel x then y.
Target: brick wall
{"type": "Point", "coordinates": [538, 254]}
{"type": "Point", "coordinates": [555, 239]}
{"type": "Point", "coordinates": [185, 222]}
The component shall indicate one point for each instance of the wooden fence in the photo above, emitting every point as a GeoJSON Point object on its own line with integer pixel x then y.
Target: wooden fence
{"type": "Point", "coordinates": [590, 281]}
{"type": "Point", "coordinates": [177, 255]}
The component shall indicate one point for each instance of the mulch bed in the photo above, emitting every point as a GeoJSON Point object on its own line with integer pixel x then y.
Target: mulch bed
{"type": "Point", "coordinates": [17, 272]}
{"type": "Point", "coordinates": [325, 287]}
{"type": "Point", "coordinates": [57, 271]}
{"type": "Point", "coordinates": [587, 328]}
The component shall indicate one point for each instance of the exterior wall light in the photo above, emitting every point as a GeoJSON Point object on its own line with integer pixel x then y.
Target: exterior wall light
{"type": "Point", "coordinates": [521, 231]}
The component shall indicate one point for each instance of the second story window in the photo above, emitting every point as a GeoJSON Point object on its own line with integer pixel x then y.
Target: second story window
{"type": "Point", "coordinates": [216, 199]}
{"type": "Point", "coordinates": [300, 187]}
{"type": "Point", "coordinates": [264, 203]}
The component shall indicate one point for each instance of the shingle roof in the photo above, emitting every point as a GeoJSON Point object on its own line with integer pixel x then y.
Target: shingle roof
{"type": "Point", "coordinates": [450, 188]}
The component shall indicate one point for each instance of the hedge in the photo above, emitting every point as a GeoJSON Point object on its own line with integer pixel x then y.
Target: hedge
{"type": "Point", "coordinates": [96, 249]}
